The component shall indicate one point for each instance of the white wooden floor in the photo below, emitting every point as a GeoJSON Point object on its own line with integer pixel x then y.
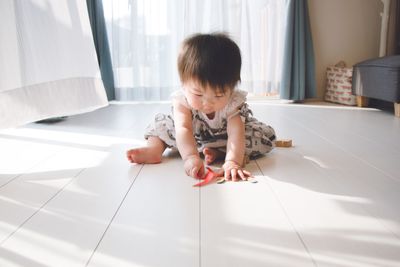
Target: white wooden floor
{"type": "Point", "coordinates": [68, 197]}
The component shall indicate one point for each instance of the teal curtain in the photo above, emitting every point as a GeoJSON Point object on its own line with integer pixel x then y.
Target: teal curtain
{"type": "Point", "coordinates": [97, 22]}
{"type": "Point", "coordinates": [298, 76]}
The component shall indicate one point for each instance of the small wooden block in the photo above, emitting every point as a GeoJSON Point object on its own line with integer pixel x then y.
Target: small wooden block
{"type": "Point", "coordinates": [283, 143]}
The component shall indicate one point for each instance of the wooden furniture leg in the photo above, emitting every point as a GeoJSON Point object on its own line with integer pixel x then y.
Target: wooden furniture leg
{"type": "Point", "coordinates": [362, 101]}
{"type": "Point", "coordinates": [397, 109]}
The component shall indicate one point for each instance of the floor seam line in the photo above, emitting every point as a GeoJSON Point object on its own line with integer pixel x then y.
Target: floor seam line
{"type": "Point", "coordinates": [40, 208]}
{"type": "Point", "coordinates": [27, 169]}
{"type": "Point", "coordinates": [114, 215]}
{"type": "Point", "coordinates": [288, 218]}
{"type": "Point", "coordinates": [344, 150]}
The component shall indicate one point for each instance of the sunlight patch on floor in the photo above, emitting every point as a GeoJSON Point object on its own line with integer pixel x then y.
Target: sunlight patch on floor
{"type": "Point", "coordinates": [317, 161]}
{"type": "Point", "coordinates": [278, 255]}
{"type": "Point", "coordinates": [47, 249]}
{"type": "Point", "coordinates": [23, 148]}
{"type": "Point", "coordinates": [69, 137]}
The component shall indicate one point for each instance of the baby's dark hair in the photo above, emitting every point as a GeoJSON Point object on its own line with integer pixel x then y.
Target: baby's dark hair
{"type": "Point", "coordinates": [211, 59]}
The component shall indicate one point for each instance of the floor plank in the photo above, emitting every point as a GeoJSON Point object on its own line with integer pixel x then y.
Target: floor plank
{"type": "Point", "coordinates": [331, 206]}
{"type": "Point", "coordinates": [68, 197]}
{"type": "Point", "coordinates": [242, 224]}
{"type": "Point", "coordinates": [372, 151]}
{"type": "Point", "coordinates": [158, 224]}
{"type": "Point", "coordinates": [334, 228]}
{"type": "Point", "coordinates": [352, 175]}
{"type": "Point", "coordinates": [68, 228]}
{"type": "Point", "coordinates": [18, 156]}
{"type": "Point", "coordinates": [29, 192]}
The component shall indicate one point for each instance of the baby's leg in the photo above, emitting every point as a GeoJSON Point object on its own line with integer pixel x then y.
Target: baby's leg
{"type": "Point", "coordinates": [211, 154]}
{"type": "Point", "coordinates": [151, 153]}
{"type": "Point", "coordinates": [260, 139]}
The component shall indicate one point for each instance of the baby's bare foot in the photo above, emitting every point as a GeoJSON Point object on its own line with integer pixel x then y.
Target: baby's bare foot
{"type": "Point", "coordinates": [144, 155]}
{"type": "Point", "coordinates": [210, 155]}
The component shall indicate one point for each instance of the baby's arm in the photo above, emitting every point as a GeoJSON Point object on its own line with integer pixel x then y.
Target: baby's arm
{"type": "Point", "coordinates": [185, 141]}
{"type": "Point", "coordinates": [235, 149]}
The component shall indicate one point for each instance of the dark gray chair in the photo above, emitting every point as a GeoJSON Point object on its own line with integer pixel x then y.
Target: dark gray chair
{"type": "Point", "coordinates": [378, 78]}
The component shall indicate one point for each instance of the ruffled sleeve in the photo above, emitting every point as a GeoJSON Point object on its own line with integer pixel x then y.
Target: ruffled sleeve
{"type": "Point", "coordinates": [179, 97]}
{"type": "Point", "coordinates": [237, 100]}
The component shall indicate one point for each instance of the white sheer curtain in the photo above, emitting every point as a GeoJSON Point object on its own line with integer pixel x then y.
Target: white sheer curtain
{"type": "Point", "coordinates": [48, 64]}
{"type": "Point", "coordinates": [145, 36]}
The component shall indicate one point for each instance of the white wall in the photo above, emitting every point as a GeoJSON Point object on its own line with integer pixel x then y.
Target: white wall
{"type": "Point", "coordinates": [346, 30]}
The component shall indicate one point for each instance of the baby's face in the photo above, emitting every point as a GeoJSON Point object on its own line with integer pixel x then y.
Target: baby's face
{"type": "Point", "coordinates": [205, 99]}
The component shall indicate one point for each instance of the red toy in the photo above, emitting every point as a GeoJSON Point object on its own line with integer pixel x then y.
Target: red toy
{"type": "Point", "coordinates": [210, 176]}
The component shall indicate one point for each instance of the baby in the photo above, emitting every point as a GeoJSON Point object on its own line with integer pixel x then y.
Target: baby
{"type": "Point", "coordinates": [210, 116]}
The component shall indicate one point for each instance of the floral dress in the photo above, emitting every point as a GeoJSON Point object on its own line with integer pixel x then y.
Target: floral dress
{"type": "Point", "coordinates": [213, 132]}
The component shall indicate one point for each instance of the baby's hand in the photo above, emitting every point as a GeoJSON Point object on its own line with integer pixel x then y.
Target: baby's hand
{"type": "Point", "coordinates": [233, 171]}
{"type": "Point", "coordinates": [194, 167]}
